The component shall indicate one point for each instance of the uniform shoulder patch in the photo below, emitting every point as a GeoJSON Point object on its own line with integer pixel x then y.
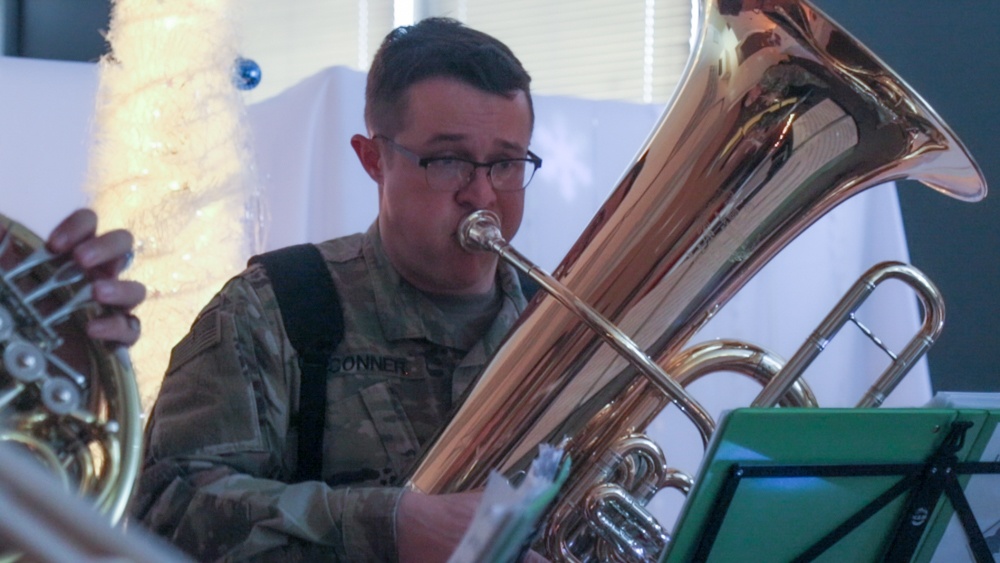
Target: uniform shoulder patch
{"type": "Point", "coordinates": [205, 333]}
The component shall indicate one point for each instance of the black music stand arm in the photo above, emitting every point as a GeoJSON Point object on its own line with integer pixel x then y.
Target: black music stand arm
{"type": "Point", "coordinates": [939, 476]}
{"type": "Point", "coordinates": [910, 477]}
{"type": "Point", "coordinates": [977, 542]}
{"type": "Point", "coordinates": [848, 526]}
{"type": "Point", "coordinates": [927, 493]}
{"type": "Point", "coordinates": [926, 483]}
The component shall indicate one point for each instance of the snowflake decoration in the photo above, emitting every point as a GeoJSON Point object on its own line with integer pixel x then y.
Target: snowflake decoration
{"type": "Point", "coordinates": [564, 147]}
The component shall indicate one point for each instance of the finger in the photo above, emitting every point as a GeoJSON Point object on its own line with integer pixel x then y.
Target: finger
{"type": "Point", "coordinates": [109, 251]}
{"type": "Point", "coordinates": [79, 226]}
{"type": "Point", "coordinates": [119, 328]}
{"type": "Point", "coordinates": [123, 294]}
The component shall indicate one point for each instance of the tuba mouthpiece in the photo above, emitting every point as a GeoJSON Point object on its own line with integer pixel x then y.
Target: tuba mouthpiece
{"type": "Point", "coordinates": [480, 232]}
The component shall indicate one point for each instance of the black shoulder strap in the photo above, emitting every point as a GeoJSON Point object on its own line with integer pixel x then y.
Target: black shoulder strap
{"type": "Point", "coordinates": [314, 322]}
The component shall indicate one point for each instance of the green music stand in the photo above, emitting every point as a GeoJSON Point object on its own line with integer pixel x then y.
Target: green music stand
{"type": "Point", "coordinates": [835, 485]}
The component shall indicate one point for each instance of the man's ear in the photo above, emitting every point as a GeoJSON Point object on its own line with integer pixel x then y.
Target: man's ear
{"type": "Point", "coordinates": [370, 156]}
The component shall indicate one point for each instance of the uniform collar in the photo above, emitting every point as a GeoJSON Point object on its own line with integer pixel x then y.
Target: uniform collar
{"type": "Point", "coordinates": [405, 313]}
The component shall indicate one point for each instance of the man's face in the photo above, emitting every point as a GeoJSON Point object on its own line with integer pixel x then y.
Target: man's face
{"type": "Point", "coordinates": [446, 117]}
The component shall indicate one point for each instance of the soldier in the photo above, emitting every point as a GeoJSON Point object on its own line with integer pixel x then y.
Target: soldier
{"type": "Point", "coordinates": [449, 118]}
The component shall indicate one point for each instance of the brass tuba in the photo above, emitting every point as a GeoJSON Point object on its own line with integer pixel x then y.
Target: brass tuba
{"type": "Point", "coordinates": [69, 402]}
{"type": "Point", "coordinates": [780, 116]}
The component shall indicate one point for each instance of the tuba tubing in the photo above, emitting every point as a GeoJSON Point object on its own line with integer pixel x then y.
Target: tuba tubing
{"type": "Point", "coordinates": [931, 301]}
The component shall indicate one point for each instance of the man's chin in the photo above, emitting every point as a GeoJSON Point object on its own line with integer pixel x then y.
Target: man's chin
{"type": "Point", "coordinates": [476, 277]}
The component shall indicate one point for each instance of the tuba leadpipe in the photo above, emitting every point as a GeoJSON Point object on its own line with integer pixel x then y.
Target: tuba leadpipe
{"type": "Point", "coordinates": [780, 116]}
{"type": "Point", "coordinates": [480, 231]}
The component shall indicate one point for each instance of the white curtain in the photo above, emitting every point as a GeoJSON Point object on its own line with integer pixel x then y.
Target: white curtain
{"type": "Point", "coordinates": [315, 189]}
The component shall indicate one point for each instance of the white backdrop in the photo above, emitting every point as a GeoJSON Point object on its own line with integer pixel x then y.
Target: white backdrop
{"type": "Point", "coordinates": [315, 189]}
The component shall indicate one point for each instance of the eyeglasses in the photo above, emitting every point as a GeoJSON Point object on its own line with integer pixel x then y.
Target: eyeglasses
{"type": "Point", "coordinates": [450, 173]}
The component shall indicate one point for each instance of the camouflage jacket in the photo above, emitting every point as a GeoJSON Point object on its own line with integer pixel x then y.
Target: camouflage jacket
{"type": "Point", "coordinates": [221, 442]}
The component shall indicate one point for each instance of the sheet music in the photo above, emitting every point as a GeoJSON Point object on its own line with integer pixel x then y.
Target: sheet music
{"type": "Point", "coordinates": [507, 516]}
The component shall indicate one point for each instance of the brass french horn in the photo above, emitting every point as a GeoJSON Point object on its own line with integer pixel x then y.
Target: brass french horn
{"type": "Point", "coordinates": [780, 116]}
{"type": "Point", "coordinates": [70, 403]}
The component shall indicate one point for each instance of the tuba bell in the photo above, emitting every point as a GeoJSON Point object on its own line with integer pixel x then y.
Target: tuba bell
{"type": "Point", "coordinates": [780, 116]}
{"type": "Point", "coordinates": [67, 402]}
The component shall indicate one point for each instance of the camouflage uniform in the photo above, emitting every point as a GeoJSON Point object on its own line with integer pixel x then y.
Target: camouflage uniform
{"type": "Point", "coordinates": [221, 444]}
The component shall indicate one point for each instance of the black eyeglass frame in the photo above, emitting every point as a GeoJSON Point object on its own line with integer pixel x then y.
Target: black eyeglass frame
{"type": "Point", "coordinates": [424, 162]}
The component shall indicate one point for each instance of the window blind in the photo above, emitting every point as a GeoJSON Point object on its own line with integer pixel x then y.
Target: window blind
{"type": "Point", "coordinates": [630, 50]}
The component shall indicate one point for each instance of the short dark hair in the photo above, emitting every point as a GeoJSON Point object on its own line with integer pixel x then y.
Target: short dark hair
{"type": "Point", "coordinates": [437, 47]}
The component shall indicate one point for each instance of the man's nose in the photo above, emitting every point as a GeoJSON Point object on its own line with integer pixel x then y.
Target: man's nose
{"type": "Point", "coordinates": [479, 194]}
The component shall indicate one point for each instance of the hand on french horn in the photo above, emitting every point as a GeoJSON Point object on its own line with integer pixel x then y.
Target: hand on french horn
{"type": "Point", "coordinates": [102, 258]}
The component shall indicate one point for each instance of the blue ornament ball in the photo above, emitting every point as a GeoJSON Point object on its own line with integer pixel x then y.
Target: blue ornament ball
{"type": "Point", "coordinates": [246, 74]}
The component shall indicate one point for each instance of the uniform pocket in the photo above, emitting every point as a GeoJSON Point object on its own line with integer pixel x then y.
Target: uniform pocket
{"type": "Point", "coordinates": [392, 425]}
{"type": "Point", "coordinates": [368, 439]}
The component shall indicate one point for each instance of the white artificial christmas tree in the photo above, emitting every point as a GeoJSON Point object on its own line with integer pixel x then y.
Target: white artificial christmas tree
{"type": "Point", "coordinates": [171, 162]}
